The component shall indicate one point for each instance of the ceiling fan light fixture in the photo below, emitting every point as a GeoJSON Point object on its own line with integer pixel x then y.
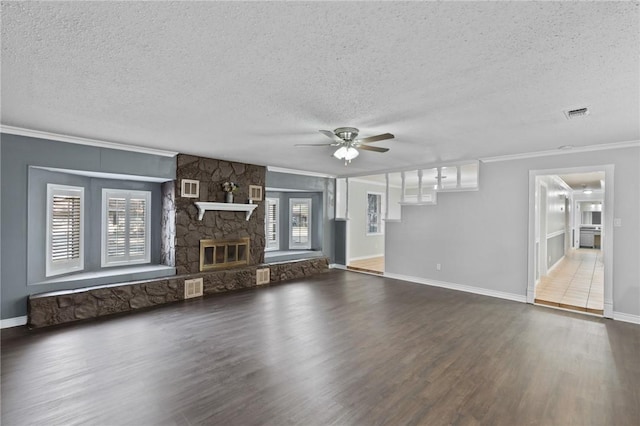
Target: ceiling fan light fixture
{"type": "Point", "coordinates": [340, 153]}
{"type": "Point", "coordinates": [346, 153]}
{"type": "Point", "coordinates": [351, 154]}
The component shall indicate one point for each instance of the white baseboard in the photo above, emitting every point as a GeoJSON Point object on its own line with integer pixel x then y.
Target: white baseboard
{"type": "Point", "coordinates": [337, 266]}
{"type": "Point", "coordinates": [555, 265]}
{"type": "Point", "coordinates": [619, 316]}
{"type": "Point", "coordinates": [460, 287]}
{"type": "Point", "coordinates": [13, 322]}
{"type": "Point", "coordinates": [371, 256]}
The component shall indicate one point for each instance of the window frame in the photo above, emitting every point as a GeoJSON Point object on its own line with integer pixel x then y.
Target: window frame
{"type": "Point", "coordinates": [73, 265]}
{"type": "Point", "coordinates": [127, 259]}
{"type": "Point", "coordinates": [379, 222]}
{"type": "Point", "coordinates": [275, 245]}
{"type": "Point", "coordinates": [292, 244]}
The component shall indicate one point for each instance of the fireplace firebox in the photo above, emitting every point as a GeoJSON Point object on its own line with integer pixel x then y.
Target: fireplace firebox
{"type": "Point", "coordinates": [216, 254]}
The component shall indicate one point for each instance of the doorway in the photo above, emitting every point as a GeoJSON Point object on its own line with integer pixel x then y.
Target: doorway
{"type": "Point", "coordinates": [570, 239]}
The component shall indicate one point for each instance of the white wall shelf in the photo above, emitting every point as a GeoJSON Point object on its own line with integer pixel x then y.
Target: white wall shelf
{"type": "Point", "coordinates": [234, 207]}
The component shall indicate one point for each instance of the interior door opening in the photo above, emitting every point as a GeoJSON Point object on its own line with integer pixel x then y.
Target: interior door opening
{"type": "Point", "coordinates": [569, 240]}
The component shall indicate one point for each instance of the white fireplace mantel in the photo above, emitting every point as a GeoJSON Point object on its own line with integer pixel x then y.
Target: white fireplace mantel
{"type": "Point", "coordinates": [234, 207]}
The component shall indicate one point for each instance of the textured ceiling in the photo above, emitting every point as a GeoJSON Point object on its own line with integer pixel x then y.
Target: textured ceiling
{"type": "Point", "coordinates": [247, 81]}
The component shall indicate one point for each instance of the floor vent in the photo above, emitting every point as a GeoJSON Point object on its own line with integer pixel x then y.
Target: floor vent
{"type": "Point", "coordinates": [193, 288]}
{"type": "Point", "coordinates": [263, 276]}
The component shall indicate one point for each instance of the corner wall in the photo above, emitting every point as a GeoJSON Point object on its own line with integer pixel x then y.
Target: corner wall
{"type": "Point", "coordinates": [481, 237]}
{"type": "Point", "coordinates": [20, 152]}
{"type": "Point", "coordinates": [278, 181]}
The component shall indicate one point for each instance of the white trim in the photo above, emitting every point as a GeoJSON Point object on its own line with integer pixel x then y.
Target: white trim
{"type": "Point", "coordinates": [459, 287]}
{"type": "Point", "coordinates": [337, 266]}
{"type": "Point", "coordinates": [187, 194]}
{"type": "Point", "coordinates": [298, 172]}
{"type": "Point", "coordinates": [621, 316]}
{"type": "Point", "coordinates": [554, 265]}
{"type": "Point", "coordinates": [105, 175]}
{"type": "Point", "coordinates": [607, 228]}
{"type": "Point", "coordinates": [422, 203]}
{"type": "Point", "coordinates": [373, 182]}
{"type": "Point", "coordinates": [84, 141]}
{"type": "Point", "coordinates": [13, 322]}
{"type": "Point", "coordinates": [590, 148]}
{"type": "Point", "coordinates": [371, 256]}
{"type": "Point", "coordinates": [270, 189]}
{"type": "Point", "coordinates": [555, 234]}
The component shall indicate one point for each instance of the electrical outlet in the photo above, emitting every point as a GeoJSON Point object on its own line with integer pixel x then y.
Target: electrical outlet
{"type": "Point", "coordinates": [438, 267]}
{"type": "Point", "coordinates": [617, 222]}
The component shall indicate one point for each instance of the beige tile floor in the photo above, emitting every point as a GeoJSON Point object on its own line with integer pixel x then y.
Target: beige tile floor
{"type": "Point", "coordinates": [374, 265]}
{"type": "Point", "coordinates": [576, 283]}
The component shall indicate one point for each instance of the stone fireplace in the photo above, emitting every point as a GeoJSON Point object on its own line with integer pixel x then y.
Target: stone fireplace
{"type": "Point", "coordinates": [216, 254]}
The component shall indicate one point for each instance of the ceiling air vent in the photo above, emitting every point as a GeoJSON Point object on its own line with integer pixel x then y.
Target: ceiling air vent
{"type": "Point", "coordinates": [576, 113]}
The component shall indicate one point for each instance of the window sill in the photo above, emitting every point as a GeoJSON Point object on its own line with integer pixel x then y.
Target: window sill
{"type": "Point", "coordinates": [111, 275]}
{"type": "Point", "coordinates": [375, 234]}
{"type": "Point", "coordinates": [288, 255]}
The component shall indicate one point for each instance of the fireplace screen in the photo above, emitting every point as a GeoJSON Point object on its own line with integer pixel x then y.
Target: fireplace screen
{"type": "Point", "coordinates": [223, 254]}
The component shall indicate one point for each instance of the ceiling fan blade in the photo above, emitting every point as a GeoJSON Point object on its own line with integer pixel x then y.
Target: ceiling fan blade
{"type": "Point", "coordinates": [372, 148]}
{"type": "Point", "coordinates": [376, 138]}
{"type": "Point", "coordinates": [316, 144]}
{"type": "Point", "coordinates": [331, 135]}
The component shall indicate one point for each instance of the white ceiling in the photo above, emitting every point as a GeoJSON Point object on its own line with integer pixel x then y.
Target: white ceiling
{"type": "Point", "coordinates": [591, 180]}
{"type": "Point", "coordinates": [246, 81]}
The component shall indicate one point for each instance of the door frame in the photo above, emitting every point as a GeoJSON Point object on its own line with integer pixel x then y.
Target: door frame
{"type": "Point", "coordinates": [607, 245]}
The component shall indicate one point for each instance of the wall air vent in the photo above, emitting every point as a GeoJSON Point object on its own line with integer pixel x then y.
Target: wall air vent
{"type": "Point", "coordinates": [576, 113]}
{"type": "Point", "coordinates": [263, 276]}
{"type": "Point", "coordinates": [193, 288]}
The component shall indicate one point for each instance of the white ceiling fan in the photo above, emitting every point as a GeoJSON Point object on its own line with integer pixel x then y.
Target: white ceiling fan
{"type": "Point", "coordinates": [345, 139]}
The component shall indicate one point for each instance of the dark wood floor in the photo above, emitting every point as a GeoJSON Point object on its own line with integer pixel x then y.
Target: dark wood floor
{"type": "Point", "coordinates": [343, 348]}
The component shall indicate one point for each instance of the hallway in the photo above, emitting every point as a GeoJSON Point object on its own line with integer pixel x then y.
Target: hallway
{"type": "Point", "coordinates": [576, 283]}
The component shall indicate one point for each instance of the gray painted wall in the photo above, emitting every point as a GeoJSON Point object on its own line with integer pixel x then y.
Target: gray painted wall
{"type": "Point", "coordinates": [340, 229]}
{"type": "Point", "coordinates": [303, 183]}
{"type": "Point", "coordinates": [37, 217]}
{"type": "Point", "coordinates": [20, 152]}
{"type": "Point", "coordinates": [481, 238]}
{"type": "Point", "coordinates": [555, 249]}
{"type": "Point", "coordinates": [317, 222]}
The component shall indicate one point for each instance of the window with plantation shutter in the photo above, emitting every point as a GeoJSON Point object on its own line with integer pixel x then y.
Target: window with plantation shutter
{"type": "Point", "coordinates": [64, 246]}
{"type": "Point", "coordinates": [126, 227]}
{"type": "Point", "coordinates": [300, 223]}
{"type": "Point", "coordinates": [271, 224]}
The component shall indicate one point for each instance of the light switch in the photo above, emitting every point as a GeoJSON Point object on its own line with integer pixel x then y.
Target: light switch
{"type": "Point", "coordinates": [617, 222]}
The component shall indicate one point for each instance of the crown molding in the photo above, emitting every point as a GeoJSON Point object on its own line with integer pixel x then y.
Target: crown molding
{"type": "Point", "coordinates": [298, 172]}
{"type": "Point", "coordinates": [19, 131]}
{"type": "Point", "coordinates": [590, 148]}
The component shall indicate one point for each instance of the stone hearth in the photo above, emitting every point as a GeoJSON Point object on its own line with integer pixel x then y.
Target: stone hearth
{"type": "Point", "coordinates": [68, 306]}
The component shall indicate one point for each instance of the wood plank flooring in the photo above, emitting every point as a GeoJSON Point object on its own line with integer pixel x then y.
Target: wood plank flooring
{"type": "Point", "coordinates": [373, 265]}
{"type": "Point", "coordinates": [576, 283]}
{"type": "Point", "coordinates": [337, 349]}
